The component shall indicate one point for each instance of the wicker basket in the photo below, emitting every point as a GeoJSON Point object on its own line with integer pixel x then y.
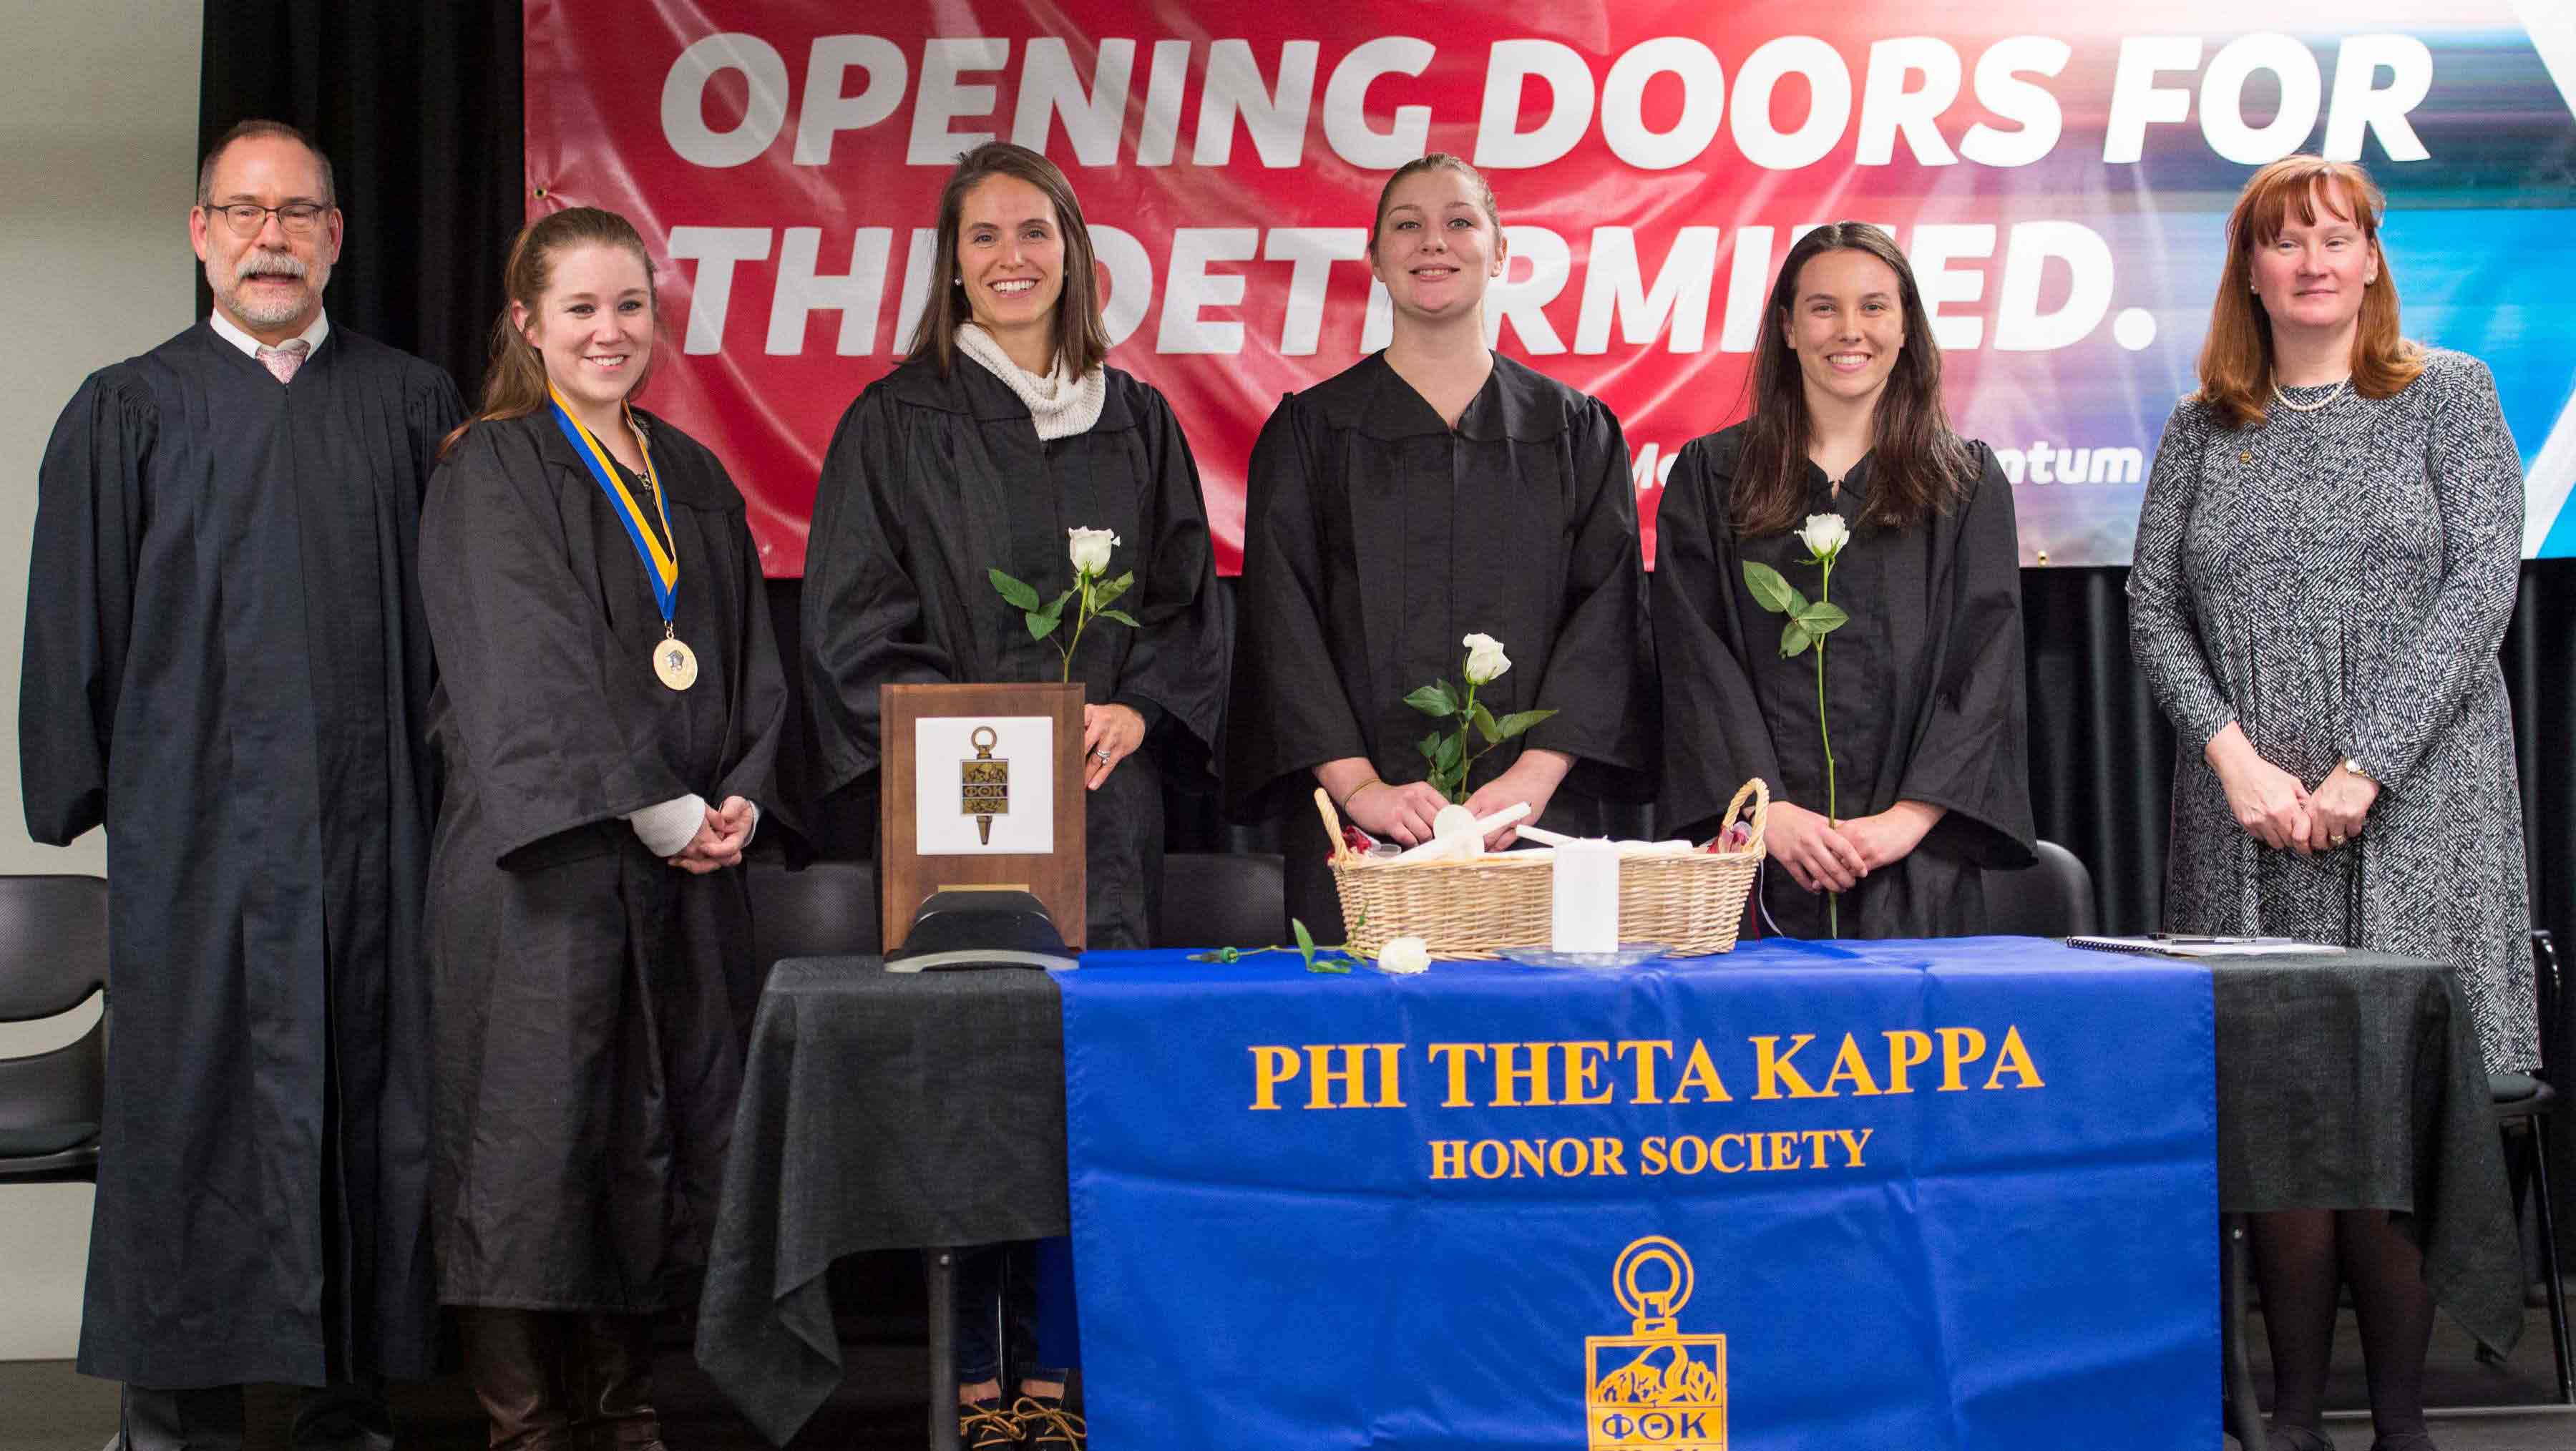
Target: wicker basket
{"type": "Point", "coordinates": [1690, 904]}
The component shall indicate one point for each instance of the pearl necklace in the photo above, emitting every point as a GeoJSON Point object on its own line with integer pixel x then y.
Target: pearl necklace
{"type": "Point", "coordinates": [2284, 399]}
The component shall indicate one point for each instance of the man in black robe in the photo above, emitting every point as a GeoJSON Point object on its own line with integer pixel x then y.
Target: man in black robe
{"type": "Point", "coordinates": [226, 666]}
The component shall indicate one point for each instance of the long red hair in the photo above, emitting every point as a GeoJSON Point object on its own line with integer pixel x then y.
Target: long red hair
{"type": "Point", "coordinates": [2236, 360]}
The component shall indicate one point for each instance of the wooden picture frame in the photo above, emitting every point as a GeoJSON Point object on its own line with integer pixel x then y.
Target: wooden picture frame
{"type": "Point", "coordinates": [906, 874]}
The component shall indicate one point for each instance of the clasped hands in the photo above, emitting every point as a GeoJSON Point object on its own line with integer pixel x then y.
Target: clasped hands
{"type": "Point", "coordinates": [2278, 809]}
{"type": "Point", "coordinates": [720, 839]}
{"type": "Point", "coordinates": [1823, 855]}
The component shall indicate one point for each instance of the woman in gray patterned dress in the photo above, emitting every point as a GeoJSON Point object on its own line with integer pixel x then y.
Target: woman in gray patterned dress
{"type": "Point", "coordinates": [2325, 564]}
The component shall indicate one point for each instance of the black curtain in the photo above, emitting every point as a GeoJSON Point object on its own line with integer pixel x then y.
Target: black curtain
{"type": "Point", "coordinates": [419, 107]}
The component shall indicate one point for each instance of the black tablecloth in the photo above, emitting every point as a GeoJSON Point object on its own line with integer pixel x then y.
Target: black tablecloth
{"type": "Point", "coordinates": [879, 1110]}
{"type": "Point", "coordinates": [2354, 1081]}
{"type": "Point", "coordinates": [884, 1110]}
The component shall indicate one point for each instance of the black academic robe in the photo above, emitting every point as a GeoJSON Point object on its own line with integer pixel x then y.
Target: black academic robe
{"type": "Point", "coordinates": [587, 1064]}
{"type": "Point", "coordinates": [933, 480]}
{"type": "Point", "coordinates": [1923, 687]}
{"type": "Point", "coordinates": [226, 666]}
{"type": "Point", "coordinates": [1377, 538]}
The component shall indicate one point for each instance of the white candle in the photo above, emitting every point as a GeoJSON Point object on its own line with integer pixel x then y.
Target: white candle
{"type": "Point", "coordinates": [1584, 911]}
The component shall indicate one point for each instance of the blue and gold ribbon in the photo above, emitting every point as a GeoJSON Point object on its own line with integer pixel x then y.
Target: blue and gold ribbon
{"type": "Point", "coordinates": [661, 564]}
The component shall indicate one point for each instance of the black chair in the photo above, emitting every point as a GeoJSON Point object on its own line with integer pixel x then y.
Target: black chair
{"type": "Point", "coordinates": [2051, 899]}
{"type": "Point", "coordinates": [2522, 1102]}
{"type": "Point", "coordinates": [829, 909]}
{"type": "Point", "coordinates": [1223, 899]}
{"type": "Point", "coordinates": [53, 955]}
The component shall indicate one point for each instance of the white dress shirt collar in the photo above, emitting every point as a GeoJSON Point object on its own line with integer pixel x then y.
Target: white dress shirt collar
{"type": "Point", "coordinates": [249, 345]}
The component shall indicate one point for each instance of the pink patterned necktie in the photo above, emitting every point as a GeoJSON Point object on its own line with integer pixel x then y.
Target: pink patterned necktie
{"type": "Point", "coordinates": [282, 362]}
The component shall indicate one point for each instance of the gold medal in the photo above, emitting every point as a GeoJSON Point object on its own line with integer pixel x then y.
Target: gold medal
{"type": "Point", "coordinates": [676, 664]}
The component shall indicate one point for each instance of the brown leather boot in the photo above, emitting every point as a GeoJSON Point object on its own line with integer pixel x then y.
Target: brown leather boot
{"type": "Point", "coordinates": [515, 1361]}
{"type": "Point", "coordinates": [616, 1408]}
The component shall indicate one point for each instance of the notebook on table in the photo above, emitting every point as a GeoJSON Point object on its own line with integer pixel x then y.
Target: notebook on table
{"type": "Point", "coordinates": [2190, 945]}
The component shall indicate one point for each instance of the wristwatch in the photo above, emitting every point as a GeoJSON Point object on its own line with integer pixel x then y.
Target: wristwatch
{"type": "Point", "coordinates": [2354, 766]}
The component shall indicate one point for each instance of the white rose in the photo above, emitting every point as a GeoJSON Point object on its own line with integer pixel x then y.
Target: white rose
{"type": "Point", "coordinates": [1825, 535]}
{"type": "Point", "coordinates": [1090, 549]}
{"type": "Point", "coordinates": [1406, 955]}
{"type": "Point", "coordinates": [1485, 659]}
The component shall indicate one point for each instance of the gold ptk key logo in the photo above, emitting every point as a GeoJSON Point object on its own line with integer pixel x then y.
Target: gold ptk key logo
{"type": "Point", "coordinates": [1655, 1387]}
{"type": "Point", "coordinates": [984, 789]}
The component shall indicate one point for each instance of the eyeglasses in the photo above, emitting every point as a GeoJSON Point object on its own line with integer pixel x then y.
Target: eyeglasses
{"type": "Point", "coordinates": [296, 219]}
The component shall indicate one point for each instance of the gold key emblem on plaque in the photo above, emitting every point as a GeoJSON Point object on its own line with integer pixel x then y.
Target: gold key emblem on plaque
{"type": "Point", "coordinates": [1655, 1386]}
{"type": "Point", "coordinates": [984, 789]}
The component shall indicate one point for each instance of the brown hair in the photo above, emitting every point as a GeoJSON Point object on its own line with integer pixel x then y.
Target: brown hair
{"type": "Point", "coordinates": [1081, 338]}
{"type": "Point", "coordinates": [2236, 360]}
{"type": "Point", "coordinates": [1435, 161]}
{"type": "Point", "coordinates": [514, 385]}
{"type": "Point", "coordinates": [1919, 465]}
{"type": "Point", "coordinates": [251, 130]}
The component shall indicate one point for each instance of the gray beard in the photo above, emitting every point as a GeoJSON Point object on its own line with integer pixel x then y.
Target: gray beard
{"type": "Point", "coordinates": [240, 304]}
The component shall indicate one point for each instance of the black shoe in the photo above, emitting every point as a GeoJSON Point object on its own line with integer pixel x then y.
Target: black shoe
{"type": "Point", "coordinates": [1045, 1425]}
{"type": "Point", "coordinates": [2296, 1438]}
{"type": "Point", "coordinates": [982, 1426]}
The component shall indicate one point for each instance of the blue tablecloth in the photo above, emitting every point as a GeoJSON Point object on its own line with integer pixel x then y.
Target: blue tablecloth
{"type": "Point", "coordinates": [1955, 1194]}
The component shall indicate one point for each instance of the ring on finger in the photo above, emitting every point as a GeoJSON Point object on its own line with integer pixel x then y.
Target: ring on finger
{"type": "Point", "coordinates": [1101, 754]}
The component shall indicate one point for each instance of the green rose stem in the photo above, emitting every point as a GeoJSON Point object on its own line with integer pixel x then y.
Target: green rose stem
{"type": "Point", "coordinates": [1806, 626]}
{"type": "Point", "coordinates": [1084, 618]}
{"type": "Point", "coordinates": [1824, 596]}
{"type": "Point", "coordinates": [1466, 722]}
{"type": "Point", "coordinates": [1319, 957]}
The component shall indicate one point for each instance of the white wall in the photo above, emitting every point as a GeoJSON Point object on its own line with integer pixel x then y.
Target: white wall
{"type": "Point", "coordinates": [98, 134]}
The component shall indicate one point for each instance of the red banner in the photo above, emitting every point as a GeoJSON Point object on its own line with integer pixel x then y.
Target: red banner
{"type": "Point", "coordinates": [2056, 179]}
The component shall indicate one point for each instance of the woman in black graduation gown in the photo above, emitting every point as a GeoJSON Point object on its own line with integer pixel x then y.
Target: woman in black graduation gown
{"type": "Point", "coordinates": [1003, 431]}
{"type": "Point", "coordinates": [608, 727]}
{"type": "Point", "coordinates": [1923, 686]}
{"type": "Point", "coordinates": [1427, 493]}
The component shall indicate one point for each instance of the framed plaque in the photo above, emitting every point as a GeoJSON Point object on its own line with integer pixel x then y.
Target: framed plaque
{"type": "Point", "coordinates": [981, 787]}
